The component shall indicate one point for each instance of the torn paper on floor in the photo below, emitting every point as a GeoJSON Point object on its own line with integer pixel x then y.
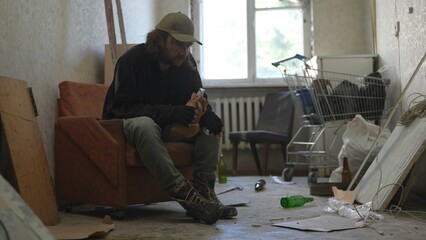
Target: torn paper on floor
{"type": "Point", "coordinates": [278, 180]}
{"type": "Point", "coordinates": [83, 230]}
{"type": "Point", "coordinates": [322, 224]}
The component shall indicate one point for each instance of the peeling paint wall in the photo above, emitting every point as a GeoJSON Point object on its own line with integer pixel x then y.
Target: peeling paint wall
{"type": "Point", "coordinates": [402, 54]}
{"type": "Point", "coordinates": [47, 41]}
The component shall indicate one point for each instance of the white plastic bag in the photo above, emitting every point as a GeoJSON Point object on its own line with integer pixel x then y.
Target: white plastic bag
{"type": "Point", "coordinates": [346, 210]}
{"type": "Point", "coordinates": [357, 141]}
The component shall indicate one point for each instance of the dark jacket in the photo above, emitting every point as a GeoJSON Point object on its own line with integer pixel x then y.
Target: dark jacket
{"type": "Point", "coordinates": [140, 88]}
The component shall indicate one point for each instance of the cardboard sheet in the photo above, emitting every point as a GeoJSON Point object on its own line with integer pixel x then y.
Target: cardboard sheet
{"type": "Point", "coordinates": [82, 230]}
{"type": "Point", "coordinates": [325, 223]}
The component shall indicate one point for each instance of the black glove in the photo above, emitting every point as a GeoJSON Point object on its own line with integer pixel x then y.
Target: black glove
{"type": "Point", "coordinates": [212, 122]}
{"type": "Point", "coordinates": [183, 114]}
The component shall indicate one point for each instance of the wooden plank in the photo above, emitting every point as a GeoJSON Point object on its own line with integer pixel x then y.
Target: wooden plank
{"type": "Point", "coordinates": [393, 163]}
{"type": "Point", "coordinates": [27, 154]}
{"type": "Point", "coordinates": [121, 23]}
{"type": "Point", "coordinates": [111, 30]}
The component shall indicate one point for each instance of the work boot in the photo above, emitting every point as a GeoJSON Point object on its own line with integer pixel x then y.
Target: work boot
{"type": "Point", "coordinates": [204, 183]}
{"type": "Point", "coordinates": [202, 209]}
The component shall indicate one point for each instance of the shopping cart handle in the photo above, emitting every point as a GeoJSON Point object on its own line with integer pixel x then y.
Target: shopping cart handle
{"type": "Point", "coordinates": [297, 56]}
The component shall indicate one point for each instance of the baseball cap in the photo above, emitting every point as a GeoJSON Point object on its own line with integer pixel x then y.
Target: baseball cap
{"type": "Point", "coordinates": [179, 26]}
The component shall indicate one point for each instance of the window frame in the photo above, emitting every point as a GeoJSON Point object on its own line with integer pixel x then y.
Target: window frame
{"type": "Point", "coordinates": [252, 80]}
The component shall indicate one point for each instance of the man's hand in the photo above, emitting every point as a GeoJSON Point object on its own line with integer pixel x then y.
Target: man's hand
{"type": "Point", "coordinates": [200, 104]}
{"type": "Point", "coordinates": [212, 122]}
{"type": "Point", "coordinates": [183, 114]}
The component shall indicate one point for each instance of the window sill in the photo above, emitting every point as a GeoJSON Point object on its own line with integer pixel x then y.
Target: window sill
{"type": "Point", "coordinates": [225, 83]}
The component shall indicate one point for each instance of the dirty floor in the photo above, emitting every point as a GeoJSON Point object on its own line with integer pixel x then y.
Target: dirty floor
{"type": "Point", "coordinates": [168, 221]}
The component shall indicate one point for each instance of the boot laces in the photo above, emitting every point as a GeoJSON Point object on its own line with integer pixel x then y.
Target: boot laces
{"type": "Point", "coordinates": [194, 198]}
{"type": "Point", "coordinates": [211, 195]}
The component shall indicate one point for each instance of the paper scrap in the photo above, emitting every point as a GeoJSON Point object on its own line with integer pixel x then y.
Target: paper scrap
{"type": "Point", "coordinates": [82, 231]}
{"type": "Point", "coordinates": [321, 224]}
{"type": "Point", "coordinates": [276, 179]}
{"type": "Point", "coordinates": [345, 196]}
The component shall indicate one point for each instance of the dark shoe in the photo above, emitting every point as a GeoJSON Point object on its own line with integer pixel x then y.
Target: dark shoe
{"type": "Point", "coordinates": [188, 197]}
{"type": "Point", "coordinates": [204, 183]}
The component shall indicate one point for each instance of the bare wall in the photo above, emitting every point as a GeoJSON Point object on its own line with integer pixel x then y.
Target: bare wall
{"type": "Point", "coordinates": [341, 27]}
{"type": "Point", "coordinates": [46, 41]}
{"type": "Point", "coordinates": [402, 54]}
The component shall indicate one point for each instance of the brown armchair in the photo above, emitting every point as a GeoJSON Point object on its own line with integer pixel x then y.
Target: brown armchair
{"type": "Point", "coordinates": [93, 162]}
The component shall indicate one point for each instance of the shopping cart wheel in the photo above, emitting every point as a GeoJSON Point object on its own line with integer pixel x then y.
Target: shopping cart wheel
{"type": "Point", "coordinates": [287, 174]}
{"type": "Point", "coordinates": [312, 177]}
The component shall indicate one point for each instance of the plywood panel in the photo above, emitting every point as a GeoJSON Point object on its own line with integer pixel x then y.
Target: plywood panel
{"type": "Point", "coordinates": [26, 149]}
{"type": "Point", "coordinates": [393, 163]}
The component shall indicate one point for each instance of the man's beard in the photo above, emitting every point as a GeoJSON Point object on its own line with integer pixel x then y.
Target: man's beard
{"type": "Point", "coordinates": [175, 62]}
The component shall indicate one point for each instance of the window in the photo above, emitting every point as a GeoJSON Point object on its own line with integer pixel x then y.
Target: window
{"type": "Point", "coordinates": [241, 38]}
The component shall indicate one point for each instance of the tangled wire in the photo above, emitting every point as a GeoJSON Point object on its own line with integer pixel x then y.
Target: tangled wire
{"type": "Point", "coordinates": [417, 111]}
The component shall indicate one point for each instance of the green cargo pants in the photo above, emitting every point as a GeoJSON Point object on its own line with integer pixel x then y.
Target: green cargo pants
{"type": "Point", "coordinates": [148, 139]}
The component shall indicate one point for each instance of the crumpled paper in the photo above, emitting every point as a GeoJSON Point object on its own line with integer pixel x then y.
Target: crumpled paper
{"type": "Point", "coordinates": [200, 104]}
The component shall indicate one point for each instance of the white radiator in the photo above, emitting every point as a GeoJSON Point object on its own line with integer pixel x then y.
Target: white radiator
{"type": "Point", "coordinates": [238, 114]}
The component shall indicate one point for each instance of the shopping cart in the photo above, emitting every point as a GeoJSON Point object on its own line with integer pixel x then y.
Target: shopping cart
{"type": "Point", "coordinates": [327, 101]}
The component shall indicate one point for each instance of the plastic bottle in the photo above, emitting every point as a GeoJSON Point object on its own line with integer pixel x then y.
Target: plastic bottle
{"type": "Point", "coordinates": [259, 185]}
{"type": "Point", "coordinates": [201, 92]}
{"type": "Point", "coordinates": [346, 174]}
{"type": "Point", "coordinates": [295, 201]}
{"type": "Point", "coordinates": [222, 170]}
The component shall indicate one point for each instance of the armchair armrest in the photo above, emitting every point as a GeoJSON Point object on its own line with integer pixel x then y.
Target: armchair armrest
{"type": "Point", "coordinates": [96, 142]}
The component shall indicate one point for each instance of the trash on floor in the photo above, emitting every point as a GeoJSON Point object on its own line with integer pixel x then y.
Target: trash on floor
{"type": "Point", "coordinates": [258, 186]}
{"type": "Point", "coordinates": [230, 198]}
{"type": "Point", "coordinates": [82, 230]}
{"type": "Point", "coordinates": [351, 211]}
{"type": "Point", "coordinates": [325, 223]}
{"type": "Point", "coordinates": [278, 180]}
{"type": "Point", "coordinates": [230, 189]}
{"type": "Point", "coordinates": [295, 201]}
{"type": "Point", "coordinates": [346, 196]}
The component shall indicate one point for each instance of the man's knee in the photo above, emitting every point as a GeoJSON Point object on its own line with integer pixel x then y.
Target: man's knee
{"type": "Point", "coordinates": [138, 127]}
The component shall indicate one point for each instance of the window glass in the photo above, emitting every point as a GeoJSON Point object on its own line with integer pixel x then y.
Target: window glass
{"type": "Point", "coordinates": [241, 38]}
{"type": "Point", "coordinates": [279, 34]}
{"type": "Point", "coordinates": [276, 3]}
{"type": "Point", "coordinates": [224, 39]}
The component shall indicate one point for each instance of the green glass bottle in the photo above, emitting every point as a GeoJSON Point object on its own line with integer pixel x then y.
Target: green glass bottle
{"type": "Point", "coordinates": [295, 201]}
{"type": "Point", "coordinates": [222, 170]}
